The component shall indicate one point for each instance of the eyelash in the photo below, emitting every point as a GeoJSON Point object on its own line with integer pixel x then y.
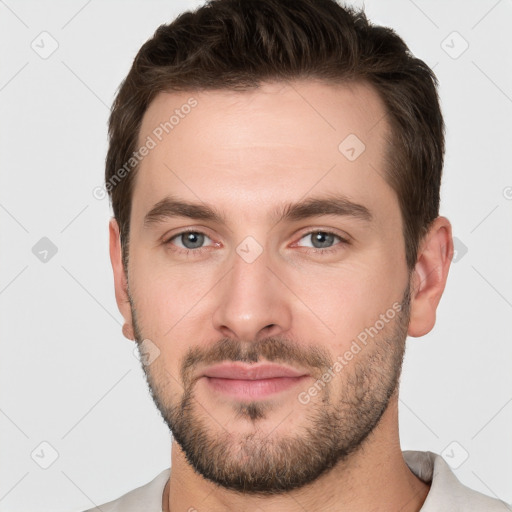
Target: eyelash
{"type": "Point", "coordinates": [327, 250]}
{"type": "Point", "coordinates": [200, 250]}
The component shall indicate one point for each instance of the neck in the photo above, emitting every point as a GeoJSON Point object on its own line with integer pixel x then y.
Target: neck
{"type": "Point", "coordinates": [375, 478]}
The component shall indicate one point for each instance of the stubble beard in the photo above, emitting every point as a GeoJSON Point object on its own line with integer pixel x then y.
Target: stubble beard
{"type": "Point", "coordinates": [333, 428]}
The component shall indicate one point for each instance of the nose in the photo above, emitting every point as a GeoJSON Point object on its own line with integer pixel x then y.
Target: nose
{"type": "Point", "coordinates": [252, 303]}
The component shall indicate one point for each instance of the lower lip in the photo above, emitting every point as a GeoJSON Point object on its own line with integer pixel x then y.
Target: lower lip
{"type": "Point", "coordinates": [253, 389]}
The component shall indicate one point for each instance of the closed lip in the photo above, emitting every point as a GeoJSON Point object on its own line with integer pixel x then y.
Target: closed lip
{"type": "Point", "coordinates": [251, 372]}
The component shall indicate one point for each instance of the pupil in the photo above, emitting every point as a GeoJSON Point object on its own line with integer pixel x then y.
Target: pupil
{"type": "Point", "coordinates": [321, 239]}
{"type": "Point", "coordinates": [192, 240]}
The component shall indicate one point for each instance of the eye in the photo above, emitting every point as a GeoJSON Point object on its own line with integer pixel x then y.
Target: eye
{"type": "Point", "coordinates": [188, 240]}
{"type": "Point", "coordinates": [322, 241]}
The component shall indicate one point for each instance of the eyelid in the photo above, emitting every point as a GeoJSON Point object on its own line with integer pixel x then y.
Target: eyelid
{"type": "Point", "coordinates": [181, 231]}
{"type": "Point", "coordinates": [344, 237]}
{"type": "Point", "coordinates": [167, 240]}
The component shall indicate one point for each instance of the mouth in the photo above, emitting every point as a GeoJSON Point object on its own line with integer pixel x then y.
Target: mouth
{"type": "Point", "coordinates": [244, 381]}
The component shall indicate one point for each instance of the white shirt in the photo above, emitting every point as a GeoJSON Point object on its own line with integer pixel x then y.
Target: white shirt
{"type": "Point", "coordinates": [446, 493]}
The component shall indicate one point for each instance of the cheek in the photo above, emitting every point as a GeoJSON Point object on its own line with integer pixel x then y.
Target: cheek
{"type": "Point", "coordinates": [345, 301]}
{"type": "Point", "coordinates": [161, 316]}
{"type": "Point", "coordinates": [164, 290]}
{"type": "Point", "coordinates": [173, 311]}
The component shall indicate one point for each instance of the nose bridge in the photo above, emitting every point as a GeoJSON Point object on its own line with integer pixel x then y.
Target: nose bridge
{"type": "Point", "coordinates": [251, 302]}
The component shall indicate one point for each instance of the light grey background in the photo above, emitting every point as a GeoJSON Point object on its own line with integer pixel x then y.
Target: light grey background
{"type": "Point", "coordinates": [70, 379]}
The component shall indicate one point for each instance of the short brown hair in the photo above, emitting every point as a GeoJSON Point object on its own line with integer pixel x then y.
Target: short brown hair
{"type": "Point", "coordinates": [238, 44]}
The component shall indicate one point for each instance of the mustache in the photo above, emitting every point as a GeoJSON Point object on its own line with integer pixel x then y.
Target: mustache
{"type": "Point", "coordinates": [273, 349]}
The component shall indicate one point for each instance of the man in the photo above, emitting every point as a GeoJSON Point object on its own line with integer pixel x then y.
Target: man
{"type": "Point", "coordinates": [274, 169]}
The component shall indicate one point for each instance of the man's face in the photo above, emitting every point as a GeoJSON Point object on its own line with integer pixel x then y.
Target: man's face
{"type": "Point", "coordinates": [266, 282]}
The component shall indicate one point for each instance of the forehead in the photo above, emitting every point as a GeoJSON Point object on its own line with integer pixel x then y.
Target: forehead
{"type": "Point", "coordinates": [325, 110]}
{"type": "Point", "coordinates": [277, 140]}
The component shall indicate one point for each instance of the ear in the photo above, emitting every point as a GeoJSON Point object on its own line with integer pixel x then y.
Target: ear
{"type": "Point", "coordinates": [120, 279]}
{"type": "Point", "coordinates": [429, 276]}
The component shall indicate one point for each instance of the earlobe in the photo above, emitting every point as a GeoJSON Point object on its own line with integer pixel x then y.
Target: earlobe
{"type": "Point", "coordinates": [128, 332]}
{"type": "Point", "coordinates": [120, 279]}
{"type": "Point", "coordinates": [429, 277]}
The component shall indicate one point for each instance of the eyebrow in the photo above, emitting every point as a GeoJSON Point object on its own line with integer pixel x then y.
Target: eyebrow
{"type": "Point", "coordinates": [170, 207]}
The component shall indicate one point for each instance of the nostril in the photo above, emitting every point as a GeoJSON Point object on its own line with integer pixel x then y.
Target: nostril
{"type": "Point", "coordinates": [270, 329]}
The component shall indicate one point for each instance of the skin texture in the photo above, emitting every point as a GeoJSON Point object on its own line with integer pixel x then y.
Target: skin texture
{"type": "Point", "coordinates": [246, 154]}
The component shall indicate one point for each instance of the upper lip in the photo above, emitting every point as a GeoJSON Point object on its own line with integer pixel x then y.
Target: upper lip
{"type": "Point", "coordinates": [242, 371]}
